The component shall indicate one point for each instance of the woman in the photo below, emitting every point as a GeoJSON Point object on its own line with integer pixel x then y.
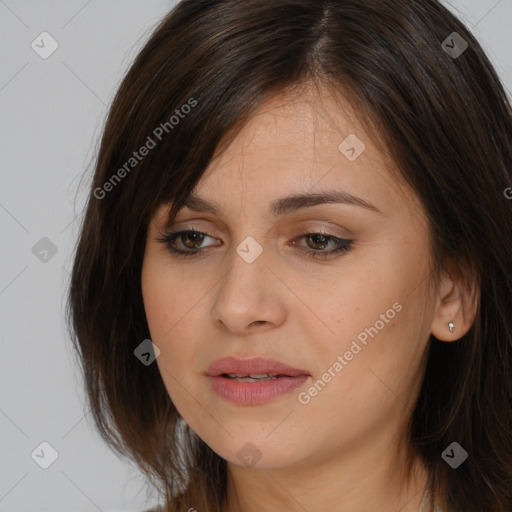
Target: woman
{"type": "Point", "coordinates": [293, 282]}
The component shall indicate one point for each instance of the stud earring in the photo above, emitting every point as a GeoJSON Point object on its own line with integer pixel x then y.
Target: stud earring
{"type": "Point", "coordinates": [451, 326]}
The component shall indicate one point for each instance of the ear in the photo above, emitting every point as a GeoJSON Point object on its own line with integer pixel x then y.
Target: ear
{"type": "Point", "coordinates": [456, 301]}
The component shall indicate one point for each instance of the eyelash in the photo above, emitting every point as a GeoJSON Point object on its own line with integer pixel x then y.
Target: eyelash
{"type": "Point", "coordinates": [343, 245]}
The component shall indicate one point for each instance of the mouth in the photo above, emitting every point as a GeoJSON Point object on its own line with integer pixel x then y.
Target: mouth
{"type": "Point", "coordinates": [253, 381]}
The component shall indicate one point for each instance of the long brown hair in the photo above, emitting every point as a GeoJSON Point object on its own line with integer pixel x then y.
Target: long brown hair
{"type": "Point", "coordinates": [445, 120]}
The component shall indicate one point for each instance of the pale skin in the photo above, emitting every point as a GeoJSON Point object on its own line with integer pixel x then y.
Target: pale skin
{"type": "Point", "coordinates": [344, 450]}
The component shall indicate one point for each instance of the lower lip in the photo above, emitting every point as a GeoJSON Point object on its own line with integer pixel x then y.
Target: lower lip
{"type": "Point", "coordinates": [253, 393]}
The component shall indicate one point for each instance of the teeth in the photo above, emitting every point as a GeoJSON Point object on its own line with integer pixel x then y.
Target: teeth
{"type": "Point", "coordinates": [252, 377]}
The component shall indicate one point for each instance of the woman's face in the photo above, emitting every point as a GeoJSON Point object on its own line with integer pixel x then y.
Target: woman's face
{"type": "Point", "coordinates": [355, 321]}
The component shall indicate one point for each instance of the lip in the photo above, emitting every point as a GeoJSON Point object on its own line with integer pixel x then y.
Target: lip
{"type": "Point", "coordinates": [252, 366]}
{"type": "Point", "coordinates": [254, 393]}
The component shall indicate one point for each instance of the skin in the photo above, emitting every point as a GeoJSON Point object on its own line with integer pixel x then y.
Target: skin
{"type": "Point", "coordinates": [345, 449]}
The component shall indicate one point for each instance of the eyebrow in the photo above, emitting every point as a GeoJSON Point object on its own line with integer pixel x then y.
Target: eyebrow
{"type": "Point", "coordinates": [288, 204]}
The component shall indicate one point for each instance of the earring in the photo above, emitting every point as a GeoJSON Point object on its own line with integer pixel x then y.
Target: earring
{"type": "Point", "coordinates": [451, 326]}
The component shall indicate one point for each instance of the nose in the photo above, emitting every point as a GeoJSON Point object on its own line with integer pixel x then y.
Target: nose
{"type": "Point", "coordinates": [250, 297]}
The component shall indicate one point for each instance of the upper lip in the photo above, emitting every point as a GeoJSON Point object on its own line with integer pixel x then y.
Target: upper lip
{"type": "Point", "coordinates": [252, 366]}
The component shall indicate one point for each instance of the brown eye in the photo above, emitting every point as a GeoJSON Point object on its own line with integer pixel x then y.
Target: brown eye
{"type": "Point", "coordinates": [319, 240]}
{"type": "Point", "coordinates": [317, 243]}
{"type": "Point", "coordinates": [192, 239]}
{"type": "Point", "coordinates": [186, 243]}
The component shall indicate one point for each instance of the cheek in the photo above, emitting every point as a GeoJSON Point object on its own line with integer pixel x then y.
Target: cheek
{"type": "Point", "coordinates": [171, 316]}
{"type": "Point", "coordinates": [378, 322]}
{"type": "Point", "coordinates": [163, 293]}
{"type": "Point", "coordinates": [167, 322]}
{"type": "Point", "coordinates": [157, 305]}
{"type": "Point", "coordinates": [162, 309]}
{"type": "Point", "coordinates": [168, 314]}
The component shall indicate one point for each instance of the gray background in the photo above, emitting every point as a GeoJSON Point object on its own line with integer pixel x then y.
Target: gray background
{"type": "Point", "coordinates": [51, 113]}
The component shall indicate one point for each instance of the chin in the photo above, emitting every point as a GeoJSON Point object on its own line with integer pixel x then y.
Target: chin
{"type": "Point", "coordinates": [258, 454]}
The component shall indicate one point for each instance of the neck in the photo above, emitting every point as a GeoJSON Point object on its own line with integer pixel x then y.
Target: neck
{"type": "Point", "coordinates": [354, 481]}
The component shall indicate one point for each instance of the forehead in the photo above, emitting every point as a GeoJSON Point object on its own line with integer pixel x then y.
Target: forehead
{"type": "Point", "coordinates": [302, 142]}
{"type": "Point", "coordinates": [293, 123]}
{"type": "Point", "coordinates": [299, 143]}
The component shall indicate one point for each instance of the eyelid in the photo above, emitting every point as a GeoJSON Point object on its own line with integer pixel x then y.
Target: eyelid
{"type": "Point", "coordinates": [191, 226]}
{"type": "Point", "coordinates": [196, 223]}
{"type": "Point", "coordinates": [305, 225]}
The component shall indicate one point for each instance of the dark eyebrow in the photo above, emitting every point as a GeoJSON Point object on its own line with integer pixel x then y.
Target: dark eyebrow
{"type": "Point", "coordinates": [289, 203]}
